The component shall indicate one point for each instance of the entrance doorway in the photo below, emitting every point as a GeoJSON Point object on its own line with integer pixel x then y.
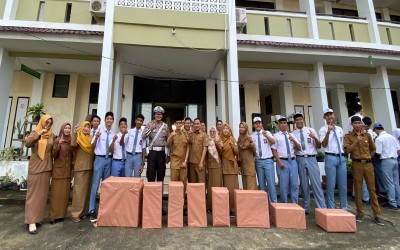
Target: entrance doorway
{"type": "Point", "coordinates": [184, 98]}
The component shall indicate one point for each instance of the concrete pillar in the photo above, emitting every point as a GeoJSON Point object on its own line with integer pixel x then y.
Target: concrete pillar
{"type": "Point", "coordinates": [366, 9]}
{"type": "Point", "coordinates": [107, 64]}
{"type": "Point", "coordinates": [126, 110]}
{"type": "Point", "coordinates": [338, 96]}
{"type": "Point", "coordinates": [308, 6]}
{"type": "Point", "coordinates": [286, 99]}
{"type": "Point", "coordinates": [382, 103]}
{"type": "Point", "coordinates": [211, 107]}
{"type": "Point", "coordinates": [233, 73]}
{"type": "Point", "coordinates": [37, 89]}
{"type": "Point", "coordinates": [327, 7]}
{"type": "Point", "coordinates": [117, 98]}
{"type": "Point", "coordinates": [252, 100]}
{"type": "Point", "coordinates": [221, 86]}
{"type": "Point", "coordinates": [10, 9]}
{"type": "Point", "coordinates": [386, 14]}
{"type": "Point", "coordinates": [319, 99]}
{"type": "Point", "coordinates": [6, 74]}
{"type": "Point", "coordinates": [279, 4]}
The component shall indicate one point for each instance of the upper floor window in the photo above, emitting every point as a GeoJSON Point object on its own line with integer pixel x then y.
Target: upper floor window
{"type": "Point", "coordinates": [254, 4]}
{"type": "Point", "coordinates": [395, 18]}
{"type": "Point", "coordinates": [61, 86]}
{"type": "Point", "coordinates": [344, 12]}
{"type": "Point", "coordinates": [68, 13]}
{"type": "Point", "coordinates": [40, 11]}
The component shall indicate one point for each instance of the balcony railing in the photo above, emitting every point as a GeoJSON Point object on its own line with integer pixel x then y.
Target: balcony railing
{"type": "Point", "coordinates": [205, 6]}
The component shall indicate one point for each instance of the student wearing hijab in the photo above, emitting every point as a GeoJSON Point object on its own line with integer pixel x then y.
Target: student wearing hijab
{"type": "Point", "coordinates": [247, 148]}
{"type": "Point", "coordinates": [83, 171]}
{"type": "Point", "coordinates": [230, 169]}
{"type": "Point", "coordinates": [214, 169]}
{"type": "Point", "coordinates": [39, 172]}
{"type": "Point", "coordinates": [61, 175]}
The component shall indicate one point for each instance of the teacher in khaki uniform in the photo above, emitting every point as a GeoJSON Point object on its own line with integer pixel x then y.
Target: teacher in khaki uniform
{"type": "Point", "coordinates": [361, 148]}
{"type": "Point", "coordinates": [178, 144]}
{"type": "Point", "coordinates": [198, 143]}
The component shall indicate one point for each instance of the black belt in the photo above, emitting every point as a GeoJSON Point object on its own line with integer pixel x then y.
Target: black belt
{"type": "Point", "coordinates": [362, 161]}
{"type": "Point", "coordinates": [103, 156]}
{"type": "Point", "coordinates": [119, 160]}
{"type": "Point", "coordinates": [337, 155]}
{"type": "Point", "coordinates": [136, 153]}
{"type": "Point", "coordinates": [269, 158]}
{"type": "Point", "coordinates": [306, 156]}
{"type": "Point", "coordinates": [286, 159]}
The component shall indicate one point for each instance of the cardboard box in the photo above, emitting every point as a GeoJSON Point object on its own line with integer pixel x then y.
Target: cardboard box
{"type": "Point", "coordinates": [335, 220]}
{"type": "Point", "coordinates": [152, 205]}
{"type": "Point", "coordinates": [220, 207]}
{"type": "Point", "coordinates": [288, 215]}
{"type": "Point", "coordinates": [251, 208]}
{"type": "Point", "coordinates": [196, 199]}
{"type": "Point", "coordinates": [120, 202]}
{"type": "Point", "coordinates": [175, 204]}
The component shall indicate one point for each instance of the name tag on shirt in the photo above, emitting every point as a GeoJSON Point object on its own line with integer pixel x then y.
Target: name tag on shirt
{"type": "Point", "coordinates": [309, 140]}
{"type": "Point", "coordinates": [265, 140]}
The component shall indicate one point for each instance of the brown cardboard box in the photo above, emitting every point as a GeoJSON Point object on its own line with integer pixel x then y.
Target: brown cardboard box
{"type": "Point", "coordinates": [287, 215]}
{"type": "Point", "coordinates": [251, 208]}
{"type": "Point", "coordinates": [220, 207]}
{"type": "Point", "coordinates": [196, 199]}
{"type": "Point", "coordinates": [120, 202]}
{"type": "Point", "coordinates": [335, 220]}
{"type": "Point", "coordinates": [152, 205]}
{"type": "Point", "coordinates": [175, 204]}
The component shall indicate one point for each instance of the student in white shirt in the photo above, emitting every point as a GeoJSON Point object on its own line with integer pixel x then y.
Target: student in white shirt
{"type": "Point", "coordinates": [135, 149]}
{"type": "Point", "coordinates": [331, 137]}
{"type": "Point", "coordinates": [307, 163]}
{"type": "Point", "coordinates": [286, 165]}
{"type": "Point", "coordinates": [264, 159]}
{"type": "Point", "coordinates": [387, 147]}
{"type": "Point", "coordinates": [118, 148]}
{"type": "Point", "coordinates": [102, 162]}
{"type": "Point", "coordinates": [94, 122]}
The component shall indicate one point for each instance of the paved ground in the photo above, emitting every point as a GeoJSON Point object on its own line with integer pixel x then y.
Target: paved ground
{"type": "Point", "coordinates": [68, 235]}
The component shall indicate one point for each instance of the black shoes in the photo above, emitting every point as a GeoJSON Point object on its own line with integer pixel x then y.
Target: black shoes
{"type": "Point", "coordinates": [359, 218]}
{"type": "Point", "coordinates": [164, 212]}
{"type": "Point", "coordinates": [379, 221]}
{"type": "Point", "coordinates": [93, 216]}
{"type": "Point", "coordinates": [54, 221]}
{"type": "Point", "coordinates": [387, 205]}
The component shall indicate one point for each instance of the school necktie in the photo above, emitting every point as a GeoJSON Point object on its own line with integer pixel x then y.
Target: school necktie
{"type": "Point", "coordinates": [135, 142]}
{"type": "Point", "coordinates": [338, 144]}
{"type": "Point", "coordinates": [303, 144]}
{"type": "Point", "coordinates": [93, 133]}
{"type": "Point", "coordinates": [289, 156]}
{"type": "Point", "coordinates": [107, 144]}
{"type": "Point", "coordinates": [259, 145]}
{"type": "Point", "coordinates": [123, 151]}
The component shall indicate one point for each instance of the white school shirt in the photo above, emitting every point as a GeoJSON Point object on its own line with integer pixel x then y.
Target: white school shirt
{"type": "Point", "coordinates": [373, 134]}
{"type": "Point", "coordinates": [332, 146]}
{"type": "Point", "coordinates": [387, 145]}
{"type": "Point", "coordinates": [117, 154]}
{"type": "Point", "coordinates": [311, 147]}
{"type": "Point", "coordinates": [265, 145]}
{"type": "Point", "coordinates": [140, 143]}
{"type": "Point", "coordinates": [101, 142]}
{"type": "Point", "coordinates": [280, 145]}
{"type": "Point", "coordinates": [95, 131]}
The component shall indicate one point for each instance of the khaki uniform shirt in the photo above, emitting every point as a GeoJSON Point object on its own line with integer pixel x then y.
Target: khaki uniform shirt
{"type": "Point", "coordinates": [363, 148]}
{"type": "Point", "coordinates": [199, 141]}
{"type": "Point", "coordinates": [178, 148]}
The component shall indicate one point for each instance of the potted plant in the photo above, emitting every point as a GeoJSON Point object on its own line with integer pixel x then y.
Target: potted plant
{"type": "Point", "coordinates": [35, 111]}
{"type": "Point", "coordinates": [272, 127]}
{"type": "Point", "coordinates": [19, 128]}
{"type": "Point", "coordinates": [23, 184]}
{"type": "Point", "coordinates": [320, 156]}
{"type": "Point", "coordinates": [7, 180]}
{"type": "Point", "coordinates": [7, 154]}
